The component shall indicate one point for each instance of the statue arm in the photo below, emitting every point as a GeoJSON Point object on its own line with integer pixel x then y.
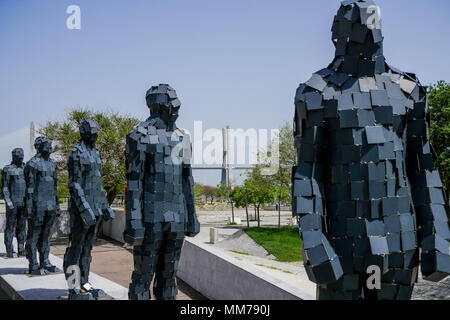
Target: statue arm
{"type": "Point", "coordinates": [135, 161]}
{"type": "Point", "coordinates": [5, 189]}
{"type": "Point", "coordinates": [30, 178]}
{"type": "Point", "coordinates": [321, 262]}
{"type": "Point", "coordinates": [429, 198]}
{"type": "Point", "coordinates": [77, 192]}
{"type": "Point", "coordinates": [192, 226]}
{"type": "Point", "coordinates": [107, 212]}
{"type": "Point", "coordinates": [55, 179]}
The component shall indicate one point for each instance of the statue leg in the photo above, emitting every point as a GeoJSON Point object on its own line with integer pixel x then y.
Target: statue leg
{"type": "Point", "coordinates": [34, 230]}
{"type": "Point", "coordinates": [44, 242]}
{"type": "Point", "coordinates": [73, 255]}
{"type": "Point", "coordinates": [86, 258]}
{"type": "Point", "coordinates": [145, 259]}
{"type": "Point", "coordinates": [165, 285]}
{"type": "Point", "coordinates": [11, 216]}
{"type": "Point", "coordinates": [348, 287]}
{"type": "Point", "coordinates": [21, 230]}
{"type": "Point", "coordinates": [76, 240]}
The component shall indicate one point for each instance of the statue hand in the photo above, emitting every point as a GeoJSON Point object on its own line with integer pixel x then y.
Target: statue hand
{"type": "Point", "coordinates": [108, 214]}
{"type": "Point", "coordinates": [88, 218]}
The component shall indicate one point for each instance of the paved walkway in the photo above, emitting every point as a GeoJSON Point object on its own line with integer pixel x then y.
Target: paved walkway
{"type": "Point", "coordinates": [22, 286]}
{"type": "Point", "coordinates": [114, 261]}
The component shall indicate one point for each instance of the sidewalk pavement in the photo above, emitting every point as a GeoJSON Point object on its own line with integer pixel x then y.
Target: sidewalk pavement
{"type": "Point", "coordinates": [111, 268]}
{"type": "Point", "coordinates": [19, 285]}
{"type": "Point", "coordinates": [114, 261]}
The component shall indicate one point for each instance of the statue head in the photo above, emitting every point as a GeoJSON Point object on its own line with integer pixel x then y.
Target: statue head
{"type": "Point", "coordinates": [17, 156]}
{"type": "Point", "coordinates": [163, 102]}
{"type": "Point", "coordinates": [43, 146]}
{"type": "Point", "coordinates": [89, 130]}
{"type": "Point", "coordinates": [356, 33]}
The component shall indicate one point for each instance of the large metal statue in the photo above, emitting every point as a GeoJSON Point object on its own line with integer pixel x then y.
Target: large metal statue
{"type": "Point", "coordinates": [42, 206]}
{"type": "Point", "coordinates": [13, 185]}
{"type": "Point", "coordinates": [87, 207]}
{"type": "Point", "coordinates": [160, 207]}
{"type": "Point", "coordinates": [365, 189]}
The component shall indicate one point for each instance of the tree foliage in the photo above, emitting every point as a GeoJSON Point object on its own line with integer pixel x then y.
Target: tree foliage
{"type": "Point", "coordinates": [198, 192]}
{"type": "Point", "coordinates": [263, 189]}
{"type": "Point", "coordinates": [111, 143]}
{"type": "Point", "coordinates": [439, 104]}
{"type": "Point", "coordinates": [208, 191]}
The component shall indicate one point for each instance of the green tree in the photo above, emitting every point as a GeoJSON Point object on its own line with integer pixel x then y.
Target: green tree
{"type": "Point", "coordinates": [208, 191]}
{"type": "Point", "coordinates": [239, 197]}
{"type": "Point", "coordinates": [260, 189]}
{"type": "Point", "coordinates": [282, 179]}
{"type": "Point", "coordinates": [111, 143]}
{"type": "Point", "coordinates": [439, 106]}
{"type": "Point", "coordinates": [198, 192]}
{"type": "Point", "coordinates": [223, 192]}
{"type": "Point", "coordinates": [276, 186]}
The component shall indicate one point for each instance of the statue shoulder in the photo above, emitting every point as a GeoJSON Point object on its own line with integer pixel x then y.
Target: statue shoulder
{"type": "Point", "coordinates": [7, 168]}
{"type": "Point", "coordinates": [138, 132]}
{"type": "Point", "coordinates": [32, 163]}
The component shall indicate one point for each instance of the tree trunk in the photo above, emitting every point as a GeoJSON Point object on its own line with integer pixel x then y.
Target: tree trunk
{"type": "Point", "coordinates": [255, 211]}
{"type": "Point", "coordinates": [279, 213]}
{"type": "Point", "coordinates": [259, 223]}
{"type": "Point", "coordinates": [111, 195]}
{"type": "Point", "coordinates": [246, 210]}
{"type": "Point", "coordinates": [232, 211]}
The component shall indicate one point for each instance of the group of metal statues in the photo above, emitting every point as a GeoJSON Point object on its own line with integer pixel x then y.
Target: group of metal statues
{"type": "Point", "coordinates": [364, 188]}
{"type": "Point", "coordinates": [159, 202]}
{"type": "Point", "coordinates": [31, 193]}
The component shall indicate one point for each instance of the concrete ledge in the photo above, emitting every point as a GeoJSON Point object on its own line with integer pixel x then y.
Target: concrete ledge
{"type": "Point", "coordinates": [219, 276]}
{"type": "Point", "coordinates": [19, 286]}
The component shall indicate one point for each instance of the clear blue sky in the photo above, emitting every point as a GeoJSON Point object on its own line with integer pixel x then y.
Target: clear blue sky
{"type": "Point", "coordinates": [235, 62]}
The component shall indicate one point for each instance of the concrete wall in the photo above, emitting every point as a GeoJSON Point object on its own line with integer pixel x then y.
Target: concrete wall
{"type": "Point", "coordinates": [61, 228]}
{"type": "Point", "coordinates": [219, 276]}
{"type": "Point", "coordinates": [114, 228]}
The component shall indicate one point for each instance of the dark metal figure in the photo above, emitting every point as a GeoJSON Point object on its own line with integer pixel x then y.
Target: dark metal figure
{"type": "Point", "coordinates": [365, 188]}
{"type": "Point", "coordinates": [42, 206]}
{"type": "Point", "coordinates": [87, 207]}
{"type": "Point", "coordinates": [160, 207]}
{"type": "Point", "coordinates": [14, 186]}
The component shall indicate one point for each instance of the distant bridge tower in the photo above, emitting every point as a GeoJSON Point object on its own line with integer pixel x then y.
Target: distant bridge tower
{"type": "Point", "coordinates": [227, 167]}
{"type": "Point", "coordinates": [32, 137]}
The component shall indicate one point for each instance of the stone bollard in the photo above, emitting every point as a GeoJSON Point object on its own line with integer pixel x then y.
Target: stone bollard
{"type": "Point", "coordinates": [213, 235]}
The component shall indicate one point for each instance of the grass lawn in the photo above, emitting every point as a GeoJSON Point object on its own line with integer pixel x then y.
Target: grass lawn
{"type": "Point", "coordinates": [284, 243]}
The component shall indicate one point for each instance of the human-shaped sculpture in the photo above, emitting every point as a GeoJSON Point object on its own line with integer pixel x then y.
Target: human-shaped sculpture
{"type": "Point", "coordinates": [87, 207]}
{"type": "Point", "coordinates": [365, 189]}
{"type": "Point", "coordinates": [42, 206]}
{"type": "Point", "coordinates": [160, 207]}
{"type": "Point", "coordinates": [13, 187]}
